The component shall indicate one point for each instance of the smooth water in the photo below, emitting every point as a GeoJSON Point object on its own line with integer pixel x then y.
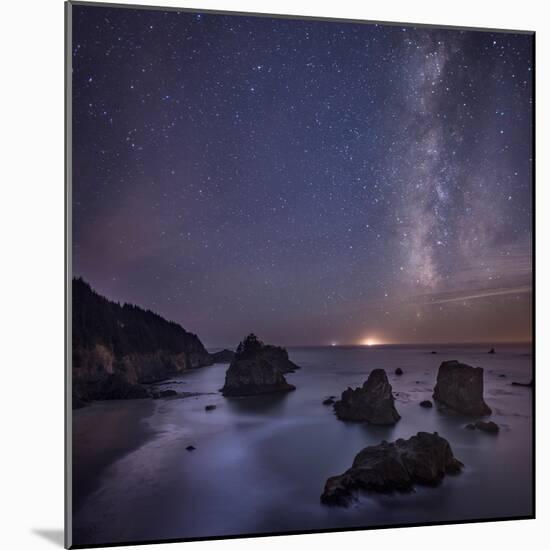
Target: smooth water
{"type": "Point", "coordinates": [260, 463]}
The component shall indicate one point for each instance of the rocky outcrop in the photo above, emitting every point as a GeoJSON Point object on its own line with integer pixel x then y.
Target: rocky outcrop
{"type": "Point", "coordinates": [257, 369]}
{"type": "Point", "coordinates": [398, 371]}
{"type": "Point", "coordinates": [116, 348]}
{"type": "Point", "coordinates": [529, 384]}
{"type": "Point", "coordinates": [224, 356]}
{"type": "Point", "coordinates": [488, 427]}
{"type": "Point", "coordinates": [110, 386]}
{"type": "Point", "coordinates": [427, 404]}
{"type": "Point", "coordinates": [278, 357]}
{"type": "Point", "coordinates": [459, 387]}
{"type": "Point", "coordinates": [372, 403]}
{"type": "Point", "coordinates": [423, 459]}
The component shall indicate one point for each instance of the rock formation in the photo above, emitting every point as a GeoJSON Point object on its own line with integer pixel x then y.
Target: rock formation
{"type": "Point", "coordinates": [427, 404]}
{"type": "Point", "coordinates": [116, 348]}
{"type": "Point", "coordinates": [460, 388]}
{"type": "Point", "coordinates": [257, 368]}
{"type": "Point", "coordinates": [423, 459]}
{"type": "Point", "coordinates": [278, 357]}
{"type": "Point", "coordinates": [529, 384]}
{"type": "Point", "coordinates": [489, 427]}
{"type": "Point", "coordinates": [372, 403]}
{"type": "Point", "coordinates": [399, 371]}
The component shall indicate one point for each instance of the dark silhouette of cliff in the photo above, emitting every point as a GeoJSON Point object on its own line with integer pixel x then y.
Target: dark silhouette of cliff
{"type": "Point", "coordinates": [118, 347]}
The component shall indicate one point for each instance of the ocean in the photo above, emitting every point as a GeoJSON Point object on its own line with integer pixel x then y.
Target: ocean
{"type": "Point", "coordinates": [260, 463]}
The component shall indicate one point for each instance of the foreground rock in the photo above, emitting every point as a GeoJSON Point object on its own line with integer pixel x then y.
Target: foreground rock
{"type": "Point", "coordinates": [489, 427]}
{"type": "Point", "coordinates": [257, 369]}
{"type": "Point", "coordinates": [423, 459]}
{"type": "Point", "coordinates": [372, 403]}
{"type": "Point", "coordinates": [460, 388]}
{"type": "Point", "coordinates": [224, 356]}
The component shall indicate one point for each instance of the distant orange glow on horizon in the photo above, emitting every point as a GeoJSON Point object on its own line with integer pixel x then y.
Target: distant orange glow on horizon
{"type": "Point", "coordinates": [370, 342]}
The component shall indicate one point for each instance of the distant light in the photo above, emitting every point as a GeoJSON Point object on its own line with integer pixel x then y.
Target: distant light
{"type": "Point", "coordinates": [369, 342]}
{"type": "Point", "coordinates": [333, 344]}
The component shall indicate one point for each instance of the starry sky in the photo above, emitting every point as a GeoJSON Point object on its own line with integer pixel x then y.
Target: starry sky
{"type": "Point", "coordinates": [315, 182]}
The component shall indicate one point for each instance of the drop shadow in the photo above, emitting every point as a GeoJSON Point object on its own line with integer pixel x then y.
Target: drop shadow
{"type": "Point", "coordinates": [55, 536]}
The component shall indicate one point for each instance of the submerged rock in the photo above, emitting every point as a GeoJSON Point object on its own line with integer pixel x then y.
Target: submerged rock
{"type": "Point", "coordinates": [209, 407]}
{"type": "Point", "coordinates": [427, 404]}
{"type": "Point", "coordinates": [460, 388]}
{"type": "Point", "coordinates": [224, 356]}
{"type": "Point", "coordinates": [423, 459]}
{"type": "Point", "coordinates": [492, 350]}
{"type": "Point", "coordinates": [525, 385]}
{"type": "Point", "coordinates": [372, 403]}
{"type": "Point", "coordinates": [329, 401]}
{"type": "Point", "coordinates": [399, 371]}
{"type": "Point", "coordinates": [489, 427]}
{"type": "Point", "coordinates": [256, 369]}
{"type": "Point", "coordinates": [163, 393]}
{"type": "Point", "coordinates": [190, 448]}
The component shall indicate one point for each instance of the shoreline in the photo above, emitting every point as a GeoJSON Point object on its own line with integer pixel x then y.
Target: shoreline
{"type": "Point", "coordinates": [94, 450]}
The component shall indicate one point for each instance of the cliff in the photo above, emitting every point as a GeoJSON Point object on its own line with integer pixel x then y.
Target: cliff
{"type": "Point", "coordinates": [118, 347]}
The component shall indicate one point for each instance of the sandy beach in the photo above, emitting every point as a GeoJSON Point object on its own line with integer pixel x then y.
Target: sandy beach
{"type": "Point", "coordinates": [102, 434]}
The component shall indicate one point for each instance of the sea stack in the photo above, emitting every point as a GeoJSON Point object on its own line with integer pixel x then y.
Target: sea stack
{"type": "Point", "coordinates": [423, 459]}
{"type": "Point", "coordinates": [460, 388]}
{"type": "Point", "coordinates": [372, 403]}
{"type": "Point", "coordinates": [257, 368]}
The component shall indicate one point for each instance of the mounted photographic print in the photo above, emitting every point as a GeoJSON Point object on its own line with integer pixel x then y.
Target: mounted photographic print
{"type": "Point", "coordinates": [299, 275]}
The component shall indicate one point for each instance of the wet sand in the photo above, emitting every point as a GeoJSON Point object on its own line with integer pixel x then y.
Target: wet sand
{"type": "Point", "coordinates": [103, 433]}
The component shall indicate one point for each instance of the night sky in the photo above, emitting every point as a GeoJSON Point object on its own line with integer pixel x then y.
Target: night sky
{"type": "Point", "coordinates": [314, 182]}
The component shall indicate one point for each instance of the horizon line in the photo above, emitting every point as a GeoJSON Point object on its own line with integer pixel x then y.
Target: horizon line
{"type": "Point", "coordinates": [490, 343]}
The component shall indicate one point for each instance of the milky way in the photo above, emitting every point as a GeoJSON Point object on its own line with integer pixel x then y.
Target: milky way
{"type": "Point", "coordinates": [311, 181]}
